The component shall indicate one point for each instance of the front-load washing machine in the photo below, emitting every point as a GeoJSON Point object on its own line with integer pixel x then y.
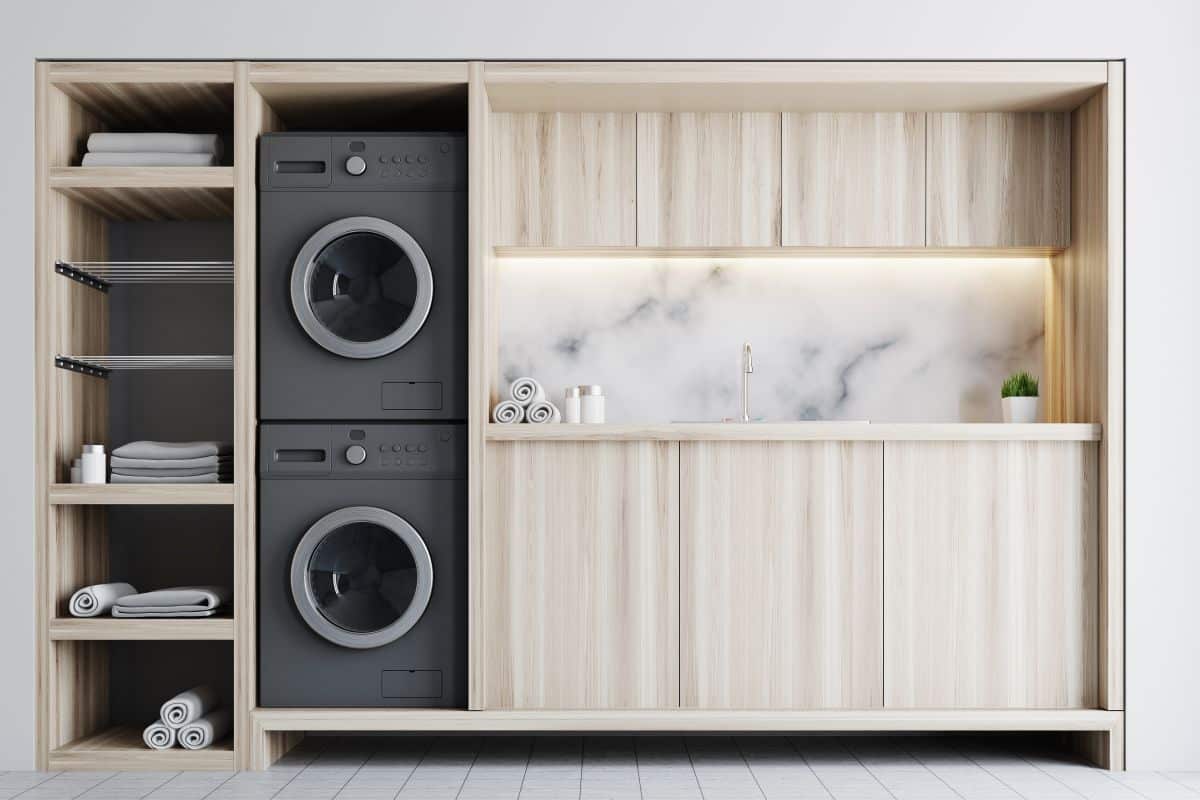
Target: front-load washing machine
{"type": "Point", "coordinates": [362, 291]}
{"type": "Point", "coordinates": [362, 559]}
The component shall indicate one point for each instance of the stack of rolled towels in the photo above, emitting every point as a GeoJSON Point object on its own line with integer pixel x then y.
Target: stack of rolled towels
{"type": "Point", "coordinates": [153, 150]}
{"type": "Point", "coordinates": [527, 403]}
{"type": "Point", "coordinates": [122, 600]}
{"type": "Point", "coordinates": [173, 462]}
{"type": "Point", "coordinates": [191, 719]}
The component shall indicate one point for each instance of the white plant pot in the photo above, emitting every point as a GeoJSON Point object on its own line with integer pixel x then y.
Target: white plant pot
{"type": "Point", "coordinates": [1020, 409]}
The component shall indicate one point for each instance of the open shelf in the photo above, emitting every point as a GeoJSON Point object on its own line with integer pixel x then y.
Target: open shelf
{"type": "Point", "coordinates": [158, 494]}
{"type": "Point", "coordinates": [149, 193]}
{"type": "Point", "coordinates": [798, 431]}
{"type": "Point", "coordinates": [113, 629]}
{"type": "Point", "coordinates": [121, 747]}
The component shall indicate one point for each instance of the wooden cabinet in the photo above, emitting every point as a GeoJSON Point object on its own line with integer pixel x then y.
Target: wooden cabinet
{"type": "Point", "coordinates": [990, 574]}
{"type": "Point", "coordinates": [854, 179]}
{"type": "Point", "coordinates": [999, 180]}
{"type": "Point", "coordinates": [781, 582]}
{"type": "Point", "coordinates": [580, 575]}
{"type": "Point", "coordinates": [563, 180]}
{"type": "Point", "coordinates": [708, 179]}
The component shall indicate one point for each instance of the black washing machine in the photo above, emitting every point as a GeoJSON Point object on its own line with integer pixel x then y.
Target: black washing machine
{"type": "Point", "coordinates": [362, 557]}
{"type": "Point", "coordinates": [362, 294]}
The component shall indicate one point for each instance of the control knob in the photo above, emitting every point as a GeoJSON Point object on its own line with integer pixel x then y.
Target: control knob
{"type": "Point", "coordinates": [356, 454]}
{"type": "Point", "coordinates": [356, 165]}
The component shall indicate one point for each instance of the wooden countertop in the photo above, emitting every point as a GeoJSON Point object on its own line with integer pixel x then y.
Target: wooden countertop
{"type": "Point", "coordinates": [798, 431]}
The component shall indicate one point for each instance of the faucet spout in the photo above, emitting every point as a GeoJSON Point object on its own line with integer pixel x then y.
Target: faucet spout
{"type": "Point", "coordinates": [747, 368]}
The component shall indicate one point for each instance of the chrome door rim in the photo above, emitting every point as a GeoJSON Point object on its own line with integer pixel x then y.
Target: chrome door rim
{"type": "Point", "coordinates": [305, 263]}
{"type": "Point", "coordinates": [306, 603]}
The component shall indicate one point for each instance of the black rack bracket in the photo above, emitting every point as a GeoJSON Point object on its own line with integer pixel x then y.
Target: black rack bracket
{"type": "Point", "coordinates": [82, 367]}
{"type": "Point", "coordinates": [78, 275]}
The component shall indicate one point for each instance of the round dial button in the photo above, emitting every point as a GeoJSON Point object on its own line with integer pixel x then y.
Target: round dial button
{"type": "Point", "coordinates": [356, 454]}
{"type": "Point", "coordinates": [356, 165]}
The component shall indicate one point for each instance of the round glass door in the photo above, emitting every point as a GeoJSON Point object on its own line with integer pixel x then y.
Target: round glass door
{"type": "Point", "coordinates": [361, 577]}
{"type": "Point", "coordinates": [361, 287]}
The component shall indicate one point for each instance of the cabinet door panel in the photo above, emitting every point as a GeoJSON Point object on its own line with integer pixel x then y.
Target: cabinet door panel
{"type": "Point", "coordinates": [781, 582]}
{"type": "Point", "coordinates": [854, 179]}
{"type": "Point", "coordinates": [563, 180]}
{"type": "Point", "coordinates": [708, 179]}
{"type": "Point", "coordinates": [990, 574]}
{"type": "Point", "coordinates": [999, 179]}
{"type": "Point", "coordinates": [580, 575]}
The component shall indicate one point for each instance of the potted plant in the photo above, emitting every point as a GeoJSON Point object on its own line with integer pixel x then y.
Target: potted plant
{"type": "Point", "coordinates": [1019, 398]}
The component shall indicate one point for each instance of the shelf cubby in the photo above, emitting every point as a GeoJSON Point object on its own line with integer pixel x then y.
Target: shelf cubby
{"type": "Point", "coordinates": [151, 194]}
{"type": "Point", "coordinates": [122, 744]}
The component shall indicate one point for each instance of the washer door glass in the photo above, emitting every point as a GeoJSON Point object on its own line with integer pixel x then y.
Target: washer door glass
{"type": "Point", "coordinates": [361, 287]}
{"type": "Point", "coordinates": [361, 577]}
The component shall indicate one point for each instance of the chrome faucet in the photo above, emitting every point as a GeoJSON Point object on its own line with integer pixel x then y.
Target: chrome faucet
{"type": "Point", "coordinates": [747, 368]}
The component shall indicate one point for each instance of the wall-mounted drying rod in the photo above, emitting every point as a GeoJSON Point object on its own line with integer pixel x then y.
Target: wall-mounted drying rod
{"type": "Point", "coordinates": [101, 366]}
{"type": "Point", "coordinates": [103, 274]}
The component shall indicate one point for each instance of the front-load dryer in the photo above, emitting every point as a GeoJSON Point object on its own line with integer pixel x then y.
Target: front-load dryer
{"type": "Point", "coordinates": [362, 291]}
{"type": "Point", "coordinates": [362, 559]}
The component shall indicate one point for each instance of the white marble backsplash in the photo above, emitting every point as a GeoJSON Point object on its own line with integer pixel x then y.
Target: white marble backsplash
{"type": "Point", "coordinates": [889, 340]}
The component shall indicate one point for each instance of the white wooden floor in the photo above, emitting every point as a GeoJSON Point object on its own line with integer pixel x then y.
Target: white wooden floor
{"type": "Point", "coordinates": [619, 768]}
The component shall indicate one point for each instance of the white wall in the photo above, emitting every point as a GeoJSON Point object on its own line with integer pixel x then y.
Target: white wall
{"type": "Point", "coordinates": [1160, 39]}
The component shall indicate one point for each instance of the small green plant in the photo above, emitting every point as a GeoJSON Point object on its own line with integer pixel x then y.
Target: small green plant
{"type": "Point", "coordinates": [1020, 384]}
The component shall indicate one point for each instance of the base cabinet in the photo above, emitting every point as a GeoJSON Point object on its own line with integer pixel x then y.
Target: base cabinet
{"type": "Point", "coordinates": [990, 575]}
{"type": "Point", "coordinates": [781, 575]}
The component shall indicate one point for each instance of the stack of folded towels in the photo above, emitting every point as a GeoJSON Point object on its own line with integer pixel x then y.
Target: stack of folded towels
{"type": "Point", "coordinates": [173, 462]}
{"type": "Point", "coordinates": [153, 150]}
{"type": "Point", "coordinates": [122, 600]}
{"type": "Point", "coordinates": [527, 403]}
{"type": "Point", "coordinates": [190, 719]}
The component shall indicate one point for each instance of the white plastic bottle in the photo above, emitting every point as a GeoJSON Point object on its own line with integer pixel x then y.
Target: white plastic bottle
{"type": "Point", "coordinates": [95, 464]}
{"type": "Point", "coordinates": [591, 404]}
{"type": "Point", "coordinates": [571, 405]}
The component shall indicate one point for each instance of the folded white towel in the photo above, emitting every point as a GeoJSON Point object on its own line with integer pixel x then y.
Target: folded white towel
{"type": "Point", "coordinates": [149, 160]}
{"type": "Point", "coordinates": [170, 463]}
{"type": "Point", "coordinates": [507, 412]}
{"type": "Point", "coordinates": [188, 706]}
{"type": "Point", "coordinates": [542, 412]}
{"type": "Point", "coordinates": [191, 601]}
{"type": "Point", "coordinates": [212, 727]}
{"type": "Point", "coordinates": [172, 450]}
{"type": "Point", "coordinates": [155, 143]}
{"type": "Point", "coordinates": [158, 736]}
{"type": "Point", "coordinates": [525, 391]}
{"type": "Point", "coordinates": [92, 601]}
{"type": "Point", "coordinates": [211, 477]}
{"type": "Point", "coordinates": [166, 472]}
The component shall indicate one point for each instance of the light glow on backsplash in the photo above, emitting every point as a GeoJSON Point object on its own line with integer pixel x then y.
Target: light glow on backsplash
{"type": "Point", "coordinates": [895, 339]}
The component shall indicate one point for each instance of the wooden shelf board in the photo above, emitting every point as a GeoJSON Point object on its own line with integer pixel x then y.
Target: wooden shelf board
{"type": "Point", "coordinates": [113, 629]}
{"type": "Point", "coordinates": [121, 748]}
{"type": "Point", "coordinates": [775, 252]}
{"type": "Point", "coordinates": [681, 720]}
{"type": "Point", "coordinates": [149, 193]}
{"type": "Point", "coordinates": [797, 431]}
{"type": "Point", "coordinates": [110, 494]}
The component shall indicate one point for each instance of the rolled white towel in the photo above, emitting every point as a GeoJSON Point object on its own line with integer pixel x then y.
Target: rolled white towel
{"type": "Point", "coordinates": [543, 412]}
{"type": "Point", "coordinates": [189, 706]}
{"type": "Point", "coordinates": [507, 412]}
{"type": "Point", "coordinates": [525, 391]}
{"type": "Point", "coordinates": [92, 601]}
{"type": "Point", "coordinates": [158, 736]}
{"type": "Point", "coordinates": [212, 727]}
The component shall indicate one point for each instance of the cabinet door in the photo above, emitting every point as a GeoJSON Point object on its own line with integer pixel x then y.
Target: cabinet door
{"type": "Point", "coordinates": [990, 574]}
{"type": "Point", "coordinates": [999, 179]}
{"type": "Point", "coordinates": [563, 180]}
{"type": "Point", "coordinates": [708, 179]}
{"type": "Point", "coordinates": [854, 179]}
{"type": "Point", "coordinates": [781, 575]}
{"type": "Point", "coordinates": [580, 575]}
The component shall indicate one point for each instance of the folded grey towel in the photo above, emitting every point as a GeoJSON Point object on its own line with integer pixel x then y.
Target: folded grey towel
{"type": "Point", "coordinates": [170, 463]}
{"type": "Point", "coordinates": [173, 450]}
{"type": "Point", "coordinates": [212, 727]}
{"type": "Point", "coordinates": [192, 472]}
{"type": "Point", "coordinates": [176, 601]}
{"type": "Point", "coordinates": [154, 143]}
{"type": "Point", "coordinates": [164, 612]}
{"type": "Point", "coordinates": [149, 160]}
{"type": "Point", "coordinates": [158, 736]}
{"type": "Point", "coordinates": [188, 706]}
{"type": "Point", "coordinates": [211, 477]}
{"type": "Point", "coordinates": [92, 601]}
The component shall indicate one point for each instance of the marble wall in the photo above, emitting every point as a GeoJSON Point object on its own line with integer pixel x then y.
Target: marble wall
{"type": "Point", "coordinates": [889, 340]}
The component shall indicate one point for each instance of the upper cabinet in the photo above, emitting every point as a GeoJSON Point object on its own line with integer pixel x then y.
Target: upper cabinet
{"type": "Point", "coordinates": [708, 179]}
{"type": "Point", "coordinates": [854, 179]}
{"type": "Point", "coordinates": [998, 180]}
{"type": "Point", "coordinates": [563, 180]}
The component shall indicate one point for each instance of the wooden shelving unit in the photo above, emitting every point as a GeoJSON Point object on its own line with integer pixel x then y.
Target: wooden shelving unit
{"type": "Point", "coordinates": [121, 747]}
{"type": "Point", "coordinates": [110, 494]}
{"type": "Point", "coordinates": [149, 193]}
{"type": "Point", "coordinates": [97, 629]}
{"type": "Point", "coordinates": [796, 431]}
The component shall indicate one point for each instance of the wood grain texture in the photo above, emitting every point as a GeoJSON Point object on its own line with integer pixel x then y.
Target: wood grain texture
{"type": "Point", "coordinates": [149, 193]}
{"type": "Point", "coordinates": [998, 179]}
{"type": "Point", "coordinates": [777, 253]}
{"type": "Point", "coordinates": [128, 494]}
{"type": "Point", "coordinates": [990, 575]}
{"type": "Point", "coordinates": [795, 431]}
{"type": "Point", "coordinates": [781, 565]}
{"type": "Point", "coordinates": [121, 747]}
{"type": "Point", "coordinates": [708, 179]}
{"type": "Point", "coordinates": [564, 180]}
{"type": "Point", "coordinates": [581, 581]}
{"type": "Point", "coordinates": [113, 629]}
{"type": "Point", "coordinates": [854, 179]}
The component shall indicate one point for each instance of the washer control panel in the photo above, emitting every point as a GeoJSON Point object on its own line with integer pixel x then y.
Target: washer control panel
{"type": "Point", "coordinates": [366, 451]}
{"type": "Point", "coordinates": [418, 162]}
